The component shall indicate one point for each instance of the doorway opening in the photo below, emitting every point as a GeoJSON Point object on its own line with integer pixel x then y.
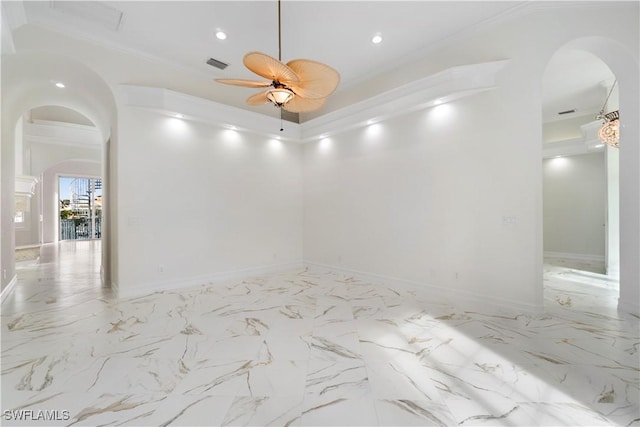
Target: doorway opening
{"type": "Point", "coordinates": [580, 184]}
{"type": "Point", "coordinates": [80, 208]}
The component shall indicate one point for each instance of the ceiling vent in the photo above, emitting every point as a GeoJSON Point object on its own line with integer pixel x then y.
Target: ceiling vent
{"type": "Point", "coordinates": [96, 12]}
{"type": "Point", "coordinates": [567, 112]}
{"type": "Point", "coordinates": [218, 64]}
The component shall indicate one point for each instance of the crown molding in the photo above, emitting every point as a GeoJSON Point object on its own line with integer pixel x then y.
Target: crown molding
{"type": "Point", "coordinates": [171, 103]}
{"type": "Point", "coordinates": [26, 185]}
{"type": "Point", "coordinates": [587, 143]}
{"type": "Point", "coordinates": [446, 86]}
{"type": "Point", "coordinates": [60, 133]}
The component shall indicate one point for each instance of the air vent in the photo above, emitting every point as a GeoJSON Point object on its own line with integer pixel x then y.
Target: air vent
{"type": "Point", "coordinates": [218, 64]}
{"type": "Point", "coordinates": [567, 112]}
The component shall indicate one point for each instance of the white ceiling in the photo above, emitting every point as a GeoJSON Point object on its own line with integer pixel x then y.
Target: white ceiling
{"type": "Point", "coordinates": [574, 80]}
{"type": "Point", "coordinates": [182, 34]}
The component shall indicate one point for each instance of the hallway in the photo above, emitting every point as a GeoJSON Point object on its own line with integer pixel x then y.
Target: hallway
{"type": "Point", "coordinates": [308, 347]}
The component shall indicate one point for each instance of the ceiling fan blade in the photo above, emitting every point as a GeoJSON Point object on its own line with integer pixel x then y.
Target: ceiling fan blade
{"type": "Point", "coordinates": [270, 68]}
{"type": "Point", "coordinates": [244, 82]}
{"type": "Point", "coordinates": [303, 105]}
{"type": "Point", "coordinates": [258, 99]}
{"type": "Point", "coordinates": [317, 80]}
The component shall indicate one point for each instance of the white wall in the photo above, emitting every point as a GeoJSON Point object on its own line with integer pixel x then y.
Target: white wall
{"type": "Point", "coordinates": [43, 155]}
{"type": "Point", "coordinates": [560, 130]}
{"type": "Point", "coordinates": [198, 201]}
{"type": "Point", "coordinates": [456, 202]}
{"type": "Point", "coordinates": [430, 197]}
{"type": "Point", "coordinates": [612, 158]}
{"type": "Point", "coordinates": [575, 205]}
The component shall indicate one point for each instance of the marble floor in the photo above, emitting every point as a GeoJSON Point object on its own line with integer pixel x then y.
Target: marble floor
{"type": "Point", "coordinates": [309, 348]}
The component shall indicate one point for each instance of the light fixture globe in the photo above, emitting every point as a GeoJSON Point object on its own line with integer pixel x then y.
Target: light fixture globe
{"type": "Point", "coordinates": [609, 133]}
{"type": "Point", "coordinates": [279, 96]}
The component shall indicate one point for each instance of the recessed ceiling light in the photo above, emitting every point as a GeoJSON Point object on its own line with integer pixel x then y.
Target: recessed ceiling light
{"type": "Point", "coordinates": [221, 35]}
{"type": "Point", "coordinates": [376, 39]}
{"type": "Point", "coordinates": [60, 85]}
{"type": "Point", "coordinates": [179, 116]}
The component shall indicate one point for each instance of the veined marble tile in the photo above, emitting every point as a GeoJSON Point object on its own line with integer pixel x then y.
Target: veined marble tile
{"type": "Point", "coordinates": [405, 412]}
{"type": "Point", "coordinates": [185, 410]}
{"type": "Point", "coordinates": [567, 414]}
{"type": "Point", "coordinates": [333, 308]}
{"type": "Point", "coordinates": [581, 383]}
{"type": "Point", "coordinates": [311, 347]}
{"type": "Point", "coordinates": [488, 410]}
{"type": "Point", "coordinates": [287, 347]}
{"type": "Point", "coordinates": [402, 378]}
{"type": "Point", "coordinates": [220, 378]}
{"type": "Point", "coordinates": [264, 411]}
{"type": "Point", "coordinates": [330, 379]}
{"type": "Point", "coordinates": [320, 411]}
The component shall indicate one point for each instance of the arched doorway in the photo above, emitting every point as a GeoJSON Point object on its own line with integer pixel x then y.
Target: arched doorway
{"type": "Point", "coordinates": [624, 67]}
{"type": "Point", "coordinates": [580, 183]}
{"type": "Point", "coordinates": [36, 79]}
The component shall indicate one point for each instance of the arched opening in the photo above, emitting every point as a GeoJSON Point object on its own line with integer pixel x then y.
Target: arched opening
{"type": "Point", "coordinates": [67, 109]}
{"type": "Point", "coordinates": [580, 183]}
{"type": "Point", "coordinates": [624, 69]}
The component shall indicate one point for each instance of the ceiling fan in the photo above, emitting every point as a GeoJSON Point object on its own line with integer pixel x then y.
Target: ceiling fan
{"type": "Point", "coordinates": [298, 86]}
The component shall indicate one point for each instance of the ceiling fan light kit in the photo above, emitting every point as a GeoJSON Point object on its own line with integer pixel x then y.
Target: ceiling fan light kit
{"type": "Point", "coordinates": [279, 96]}
{"type": "Point", "coordinates": [300, 85]}
{"type": "Point", "coordinates": [609, 132]}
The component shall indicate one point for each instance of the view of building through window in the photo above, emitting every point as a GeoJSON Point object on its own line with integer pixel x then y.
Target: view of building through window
{"type": "Point", "coordinates": [80, 208]}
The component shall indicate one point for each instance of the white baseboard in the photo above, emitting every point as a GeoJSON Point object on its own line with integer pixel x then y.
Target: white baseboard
{"type": "Point", "coordinates": [572, 256]}
{"type": "Point", "coordinates": [158, 286]}
{"type": "Point", "coordinates": [35, 245]}
{"type": "Point", "coordinates": [8, 289]}
{"type": "Point", "coordinates": [460, 297]}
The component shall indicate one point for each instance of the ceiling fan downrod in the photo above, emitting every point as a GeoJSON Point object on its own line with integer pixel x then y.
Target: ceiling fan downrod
{"type": "Point", "coordinates": [279, 35]}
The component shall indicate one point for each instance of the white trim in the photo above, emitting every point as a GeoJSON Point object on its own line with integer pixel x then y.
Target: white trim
{"type": "Point", "coordinates": [60, 133]}
{"type": "Point", "coordinates": [572, 256]}
{"type": "Point", "coordinates": [466, 299]}
{"type": "Point", "coordinates": [8, 289]}
{"type": "Point", "coordinates": [170, 103]}
{"type": "Point", "coordinates": [35, 245]}
{"type": "Point", "coordinates": [446, 86]}
{"type": "Point", "coordinates": [26, 185]}
{"type": "Point", "coordinates": [176, 284]}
